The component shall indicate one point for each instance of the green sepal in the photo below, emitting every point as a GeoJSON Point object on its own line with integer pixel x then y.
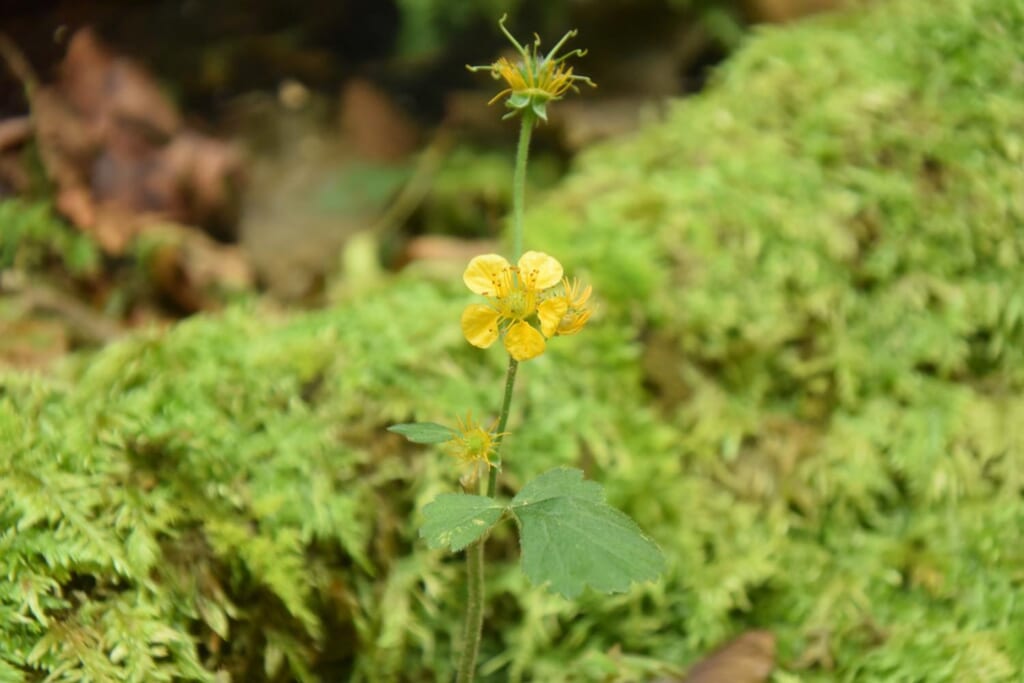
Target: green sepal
{"type": "Point", "coordinates": [572, 539]}
{"type": "Point", "coordinates": [517, 100]}
{"type": "Point", "coordinates": [454, 520]}
{"type": "Point", "coordinates": [540, 109]}
{"type": "Point", "coordinates": [423, 432]}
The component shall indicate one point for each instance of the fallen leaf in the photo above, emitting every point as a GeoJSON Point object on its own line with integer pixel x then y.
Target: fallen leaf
{"type": "Point", "coordinates": [778, 11]}
{"type": "Point", "coordinates": [191, 270]}
{"type": "Point", "coordinates": [207, 176]}
{"type": "Point", "coordinates": [14, 131]}
{"type": "Point", "coordinates": [14, 179]}
{"type": "Point", "coordinates": [374, 125]}
{"type": "Point", "coordinates": [748, 658]}
{"type": "Point", "coordinates": [442, 248]}
{"type": "Point", "coordinates": [107, 89]}
{"type": "Point", "coordinates": [32, 342]}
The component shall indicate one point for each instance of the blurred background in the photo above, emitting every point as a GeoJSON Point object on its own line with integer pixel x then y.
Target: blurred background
{"type": "Point", "coordinates": [231, 248]}
{"type": "Point", "coordinates": [279, 130]}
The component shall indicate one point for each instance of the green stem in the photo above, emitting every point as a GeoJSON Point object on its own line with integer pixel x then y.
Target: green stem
{"type": "Point", "coordinates": [473, 625]}
{"type": "Point", "coordinates": [506, 403]}
{"type": "Point", "coordinates": [519, 183]}
{"type": "Point", "coordinates": [474, 621]}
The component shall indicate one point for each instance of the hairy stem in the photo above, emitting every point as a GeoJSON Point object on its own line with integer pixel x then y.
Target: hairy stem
{"type": "Point", "coordinates": [473, 625]}
{"type": "Point", "coordinates": [474, 612]}
{"type": "Point", "coordinates": [519, 183]}
{"type": "Point", "coordinates": [506, 403]}
{"type": "Point", "coordinates": [474, 621]}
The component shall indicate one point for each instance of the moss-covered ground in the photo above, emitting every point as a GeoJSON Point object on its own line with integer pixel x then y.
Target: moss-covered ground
{"type": "Point", "coordinates": [805, 382]}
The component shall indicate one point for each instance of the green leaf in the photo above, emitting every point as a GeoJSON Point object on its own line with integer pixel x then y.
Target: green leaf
{"type": "Point", "coordinates": [558, 483]}
{"type": "Point", "coordinates": [423, 432]}
{"type": "Point", "coordinates": [214, 616]}
{"type": "Point", "coordinates": [454, 520]}
{"type": "Point", "coordinates": [8, 674]}
{"type": "Point", "coordinates": [572, 539]}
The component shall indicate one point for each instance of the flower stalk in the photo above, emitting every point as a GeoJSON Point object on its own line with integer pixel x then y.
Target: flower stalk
{"type": "Point", "coordinates": [474, 619]}
{"type": "Point", "coordinates": [506, 404]}
{"type": "Point", "coordinates": [517, 293]}
{"type": "Point", "coordinates": [519, 182]}
{"type": "Point", "coordinates": [527, 304]}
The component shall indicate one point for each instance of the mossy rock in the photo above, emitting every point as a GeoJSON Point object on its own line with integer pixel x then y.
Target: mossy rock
{"type": "Point", "coordinates": [804, 382]}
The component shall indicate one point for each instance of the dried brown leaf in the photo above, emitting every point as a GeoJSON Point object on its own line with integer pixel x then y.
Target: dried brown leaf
{"type": "Point", "coordinates": [441, 248]}
{"type": "Point", "coordinates": [106, 89]}
{"type": "Point", "coordinates": [14, 131]}
{"type": "Point", "coordinates": [191, 270]}
{"type": "Point", "coordinates": [32, 342]}
{"type": "Point", "coordinates": [748, 658]}
{"type": "Point", "coordinates": [374, 125]}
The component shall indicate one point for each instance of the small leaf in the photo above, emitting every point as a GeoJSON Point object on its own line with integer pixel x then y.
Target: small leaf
{"type": "Point", "coordinates": [273, 658]}
{"type": "Point", "coordinates": [572, 539]}
{"type": "Point", "coordinates": [214, 616]}
{"type": "Point", "coordinates": [423, 432]}
{"type": "Point", "coordinates": [454, 520]}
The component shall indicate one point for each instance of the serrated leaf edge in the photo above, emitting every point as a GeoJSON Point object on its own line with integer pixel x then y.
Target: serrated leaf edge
{"type": "Point", "coordinates": [446, 543]}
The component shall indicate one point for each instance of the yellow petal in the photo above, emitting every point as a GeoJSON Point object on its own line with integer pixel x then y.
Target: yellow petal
{"type": "Point", "coordinates": [480, 325]}
{"type": "Point", "coordinates": [523, 342]}
{"type": "Point", "coordinates": [539, 271]}
{"type": "Point", "coordinates": [550, 313]}
{"type": "Point", "coordinates": [579, 300]}
{"type": "Point", "coordinates": [487, 275]}
{"type": "Point", "coordinates": [573, 324]}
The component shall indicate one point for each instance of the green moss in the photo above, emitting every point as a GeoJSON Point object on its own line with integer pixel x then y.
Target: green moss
{"type": "Point", "coordinates": [805, 383]}
{"type": "Point", "coordinates": [31, 238]}
{"type": "Point", "coordinates": [833, 246]}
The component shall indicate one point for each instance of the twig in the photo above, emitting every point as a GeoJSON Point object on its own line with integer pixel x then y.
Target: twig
{"type": "Point", "coordinates": [416, 188]}
{"type": "Point", "coordinates": [85, 323]}
{"type": "Point", "coordinates": [19, 66]}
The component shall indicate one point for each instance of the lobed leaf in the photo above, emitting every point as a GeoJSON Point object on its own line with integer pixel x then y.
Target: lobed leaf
{"type": "Point", "coordinates": [572, 539]}
{"type": "Point", "coordinates": [454, 520]}
{"type": "Point", "coordinates": [563, 481]}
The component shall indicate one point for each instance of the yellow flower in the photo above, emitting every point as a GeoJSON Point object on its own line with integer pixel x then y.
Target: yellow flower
{"type": "Point", "coordinates": [565, 313]}
{"type": "Point", "coordinates": [545, 81]}
{"type": "Point", "coordinates": [515, 292]}
{"type": "Point", "coordinates": [536, 79]}
{"type": "Point", "coordinates": [473, 447]}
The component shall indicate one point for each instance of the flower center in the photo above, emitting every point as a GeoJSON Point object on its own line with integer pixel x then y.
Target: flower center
{"type": "Point", "coordinates": [477, 444]}
{"type": "Point", "coordinates": [518, 304]}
